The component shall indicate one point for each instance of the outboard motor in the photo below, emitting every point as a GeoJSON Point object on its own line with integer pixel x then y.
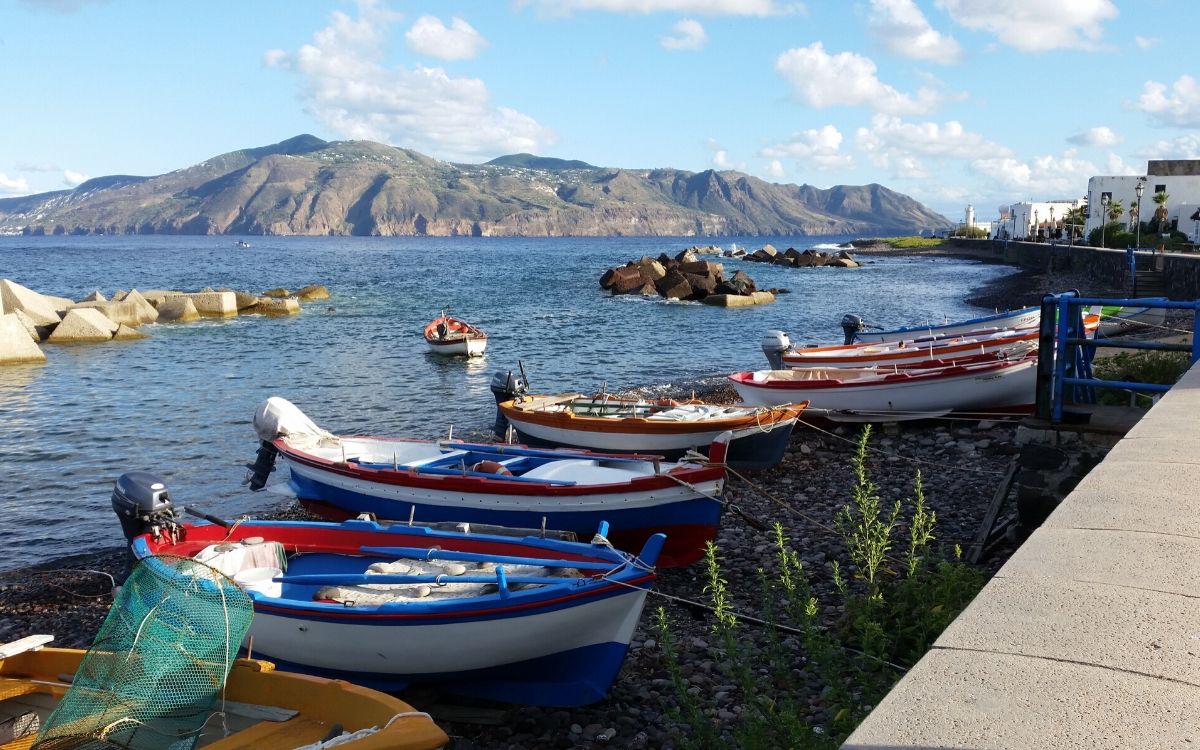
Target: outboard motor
{"type": "Point", "coordinates": [505, 387]}
{"type": "Point", "coordinates": [774, 344]}
{"type": "Point", "coordinates": [264, 464]}
{"type": "Point", "coordinates": [851, 325]}
{"type": "Point", "coordinates": [140, 499]}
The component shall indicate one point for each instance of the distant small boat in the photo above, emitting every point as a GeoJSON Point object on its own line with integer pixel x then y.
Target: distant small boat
{"type": "Point", "coordinates": [241, 243]}
{"type": "Point", "coordinates": [262, 707]}
{"type": "Point", "coordinates": [886, 394]}
{"type": "Point", "coordinates": [450, 336]}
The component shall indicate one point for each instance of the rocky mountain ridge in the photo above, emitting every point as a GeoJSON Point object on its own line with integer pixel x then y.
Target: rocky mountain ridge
{"type": "Point", "coordinates": [308, 186]}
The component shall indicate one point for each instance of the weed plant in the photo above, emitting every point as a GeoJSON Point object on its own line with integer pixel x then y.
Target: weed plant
{"type": "Point", "coordinates": [1163, 368]}
{"type": "Point", "coordinates": [819, 667]}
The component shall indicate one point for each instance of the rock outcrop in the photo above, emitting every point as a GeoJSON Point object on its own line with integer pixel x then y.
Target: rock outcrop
{"type": "Point", "coordinates": [683, 277]}
{"type": "Point", "coordinates": [177, 310]}
{"type": "Point", "coordinates": [807, 259]}
{"type": "Point", "coordinates": [40, 309]}
{"type": "Point", "coordinates": [82, 325]}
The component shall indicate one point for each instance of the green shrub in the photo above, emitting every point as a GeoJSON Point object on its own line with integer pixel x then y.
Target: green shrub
{"type": "Point", "coordinates": [903, 243]}
{"type": "Point", "coordinates": [1163, 368]}
{"type": "Point", "coordinates": [820, 672]}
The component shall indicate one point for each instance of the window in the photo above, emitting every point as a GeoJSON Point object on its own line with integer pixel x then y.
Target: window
{"type": "Point", "coordinates": [1160, 188]}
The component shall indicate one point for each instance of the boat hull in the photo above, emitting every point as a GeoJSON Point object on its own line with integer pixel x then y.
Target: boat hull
{"type": "Point", "coordinates": [459, 348]}
{"type": "Point", "coordinates": [962, 350]}
{"type": "Point", "coordinates": [1000, 387]}
{"type": "Point", "coordinates": [758, 440]}
{"type": "Point", "coordinates": [688, 519]}
{"type": "Point", "coordinates": [1028, 317]}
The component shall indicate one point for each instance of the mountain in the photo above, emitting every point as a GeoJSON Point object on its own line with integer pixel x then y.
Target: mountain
{"type": "Point", "coordinates": [308, 186]}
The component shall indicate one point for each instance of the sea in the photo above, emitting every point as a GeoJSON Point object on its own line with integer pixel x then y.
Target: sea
{"type": "Point", "coordinates": [179, 403]}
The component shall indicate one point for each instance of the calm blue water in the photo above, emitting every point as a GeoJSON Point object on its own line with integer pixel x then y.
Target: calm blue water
{"type": "Point", "coordinates": [179, 403]}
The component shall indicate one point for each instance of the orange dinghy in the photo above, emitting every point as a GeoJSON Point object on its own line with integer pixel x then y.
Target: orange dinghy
{"type": "Point", "coordinates": [450, 336]}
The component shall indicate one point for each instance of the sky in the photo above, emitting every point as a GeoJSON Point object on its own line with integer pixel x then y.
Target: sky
{"type": "Point", "coordinates": [953, 102]}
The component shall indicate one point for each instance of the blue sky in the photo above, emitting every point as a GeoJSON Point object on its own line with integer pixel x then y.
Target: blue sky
{"type": "Point", "coordinates": [950, 101]}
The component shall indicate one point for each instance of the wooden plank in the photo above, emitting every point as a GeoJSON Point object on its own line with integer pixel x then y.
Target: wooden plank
{"type": "Point", "coordinates": [28, 643]}
{"type": "Point", "coordinates": [295, 733]}
{"type": "Point", "coordinates": [258, 711]}
{"type": "Point", "coordinates": [989, 518]}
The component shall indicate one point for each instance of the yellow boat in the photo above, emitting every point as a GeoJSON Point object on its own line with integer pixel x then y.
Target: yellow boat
{"type": "Point", "coordinates": [263, 708]}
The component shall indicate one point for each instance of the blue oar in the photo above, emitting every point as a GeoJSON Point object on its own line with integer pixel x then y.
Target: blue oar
{"type": "Point", "coordinates": [424, 553]}
{"type": "Point", "coordinates": [353, 579]}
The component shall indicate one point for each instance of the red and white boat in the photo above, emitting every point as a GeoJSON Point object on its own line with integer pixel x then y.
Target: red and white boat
{"type": "Point", "coordinates": [759, 434]}
{"type": "Point", "coordinates": [975, 347]}
{"type": "Point", "coordinates": [451, 336]}
{"type": "Point", "coordinates": [879, 394]}
{"type": "Point", "coordinates": [500, 484]}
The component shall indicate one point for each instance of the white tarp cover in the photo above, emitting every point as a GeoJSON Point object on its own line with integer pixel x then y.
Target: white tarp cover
{"type": "Point", "coordinates": [277, 417]}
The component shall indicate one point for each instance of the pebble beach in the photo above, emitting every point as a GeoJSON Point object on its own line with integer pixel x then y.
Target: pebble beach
{"type": "Point", "coordinates": [961, 464]}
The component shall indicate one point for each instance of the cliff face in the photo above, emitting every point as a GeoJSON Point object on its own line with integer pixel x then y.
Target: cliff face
{"type": "Point", "coordinates": [306, 186]}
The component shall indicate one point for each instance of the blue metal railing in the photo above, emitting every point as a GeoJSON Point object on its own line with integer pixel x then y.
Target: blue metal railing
{"type": "Point", "coordinates": [1065, 353]}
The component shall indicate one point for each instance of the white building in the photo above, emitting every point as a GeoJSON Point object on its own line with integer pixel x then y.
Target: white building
{"type": "Point", "coordinates": [1179, 179]}
{"type": "Point", "coordinates": [1024, 220]}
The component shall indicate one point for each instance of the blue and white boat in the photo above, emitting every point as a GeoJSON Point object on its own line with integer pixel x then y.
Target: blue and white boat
{"type": "Point", "coordinates": [1026, 317]}
{"type": "Point", "coordinates": [527, 620]}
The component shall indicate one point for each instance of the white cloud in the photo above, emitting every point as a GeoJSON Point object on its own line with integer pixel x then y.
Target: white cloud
{"type": "Point", "coordinates": [902, 28]}
{"type": "Point", "coordinates": [689, 34]}
{"type": "Point", "coordinates": [429, 36]}
{"type": "Point", "coordinates": [1045, 176]}
{"type": "Point", "coordinates": [822, 80]}
{"type": "Point", "coordinates": [1180, 109]}
{"type": "Point", "coordinates": [1184, 147]}
{"type": "Point", "coordinates": [71, 178]}
{"type": "Point", "coordinates": [347, 88]}
{"type": "Point", "coordinates": [1146, 42]}
{"type": "Point", "coordinates": [902, 147]}
{"type": "Point", "coordinates": [702, 7]}
{"type": "Point", "coordinates": [1098, 136]}
{"type": "Point", "coordinates": [775, 169]}
{"type": "Point", "coordinates": [721, 159]}
{"type": "Point", "coordinates": [1035, 25]}
{"type": "Point", "coordinates": [820, 148]}
{"type": "Point", "coordinates": [13, 185]}
{"type": "Point", "coordinates": [1117, 166]}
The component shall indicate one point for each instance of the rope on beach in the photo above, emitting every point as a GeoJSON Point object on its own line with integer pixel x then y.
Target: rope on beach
{"type": "Point", "coordinates": [43, 577]}
{"type": "Point", "coordinates": [692, 604]}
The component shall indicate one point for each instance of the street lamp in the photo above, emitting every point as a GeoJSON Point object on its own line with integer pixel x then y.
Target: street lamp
{"type": "Point", "coordinates": [1104, 198]}
{"type": "Point", "coordinates": [1139, 189]}
{"type": "Point", "coordinates": [1051, 232]}
{"type": "Point", "coordinates": [1036, 226]}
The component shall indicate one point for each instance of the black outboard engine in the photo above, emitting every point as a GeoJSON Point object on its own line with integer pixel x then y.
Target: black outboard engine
{"type": "Point", "coordinates": [851, 325]}
{"type": "Point", "coordinates": [774, 344]}
{"type": "Point", "coordinates": [264, 464]}
{"type": "Point", "coordinates": [505, 387]}
{"type": "Point", "coordinates": [140, 499]}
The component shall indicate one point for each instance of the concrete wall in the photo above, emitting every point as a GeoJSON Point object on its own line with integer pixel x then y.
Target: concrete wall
{"type": "Point", "coordinates": [1088, 637]}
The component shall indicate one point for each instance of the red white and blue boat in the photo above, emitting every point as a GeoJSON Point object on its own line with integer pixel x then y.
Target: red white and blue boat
{"type": "Point", "coordinates": [524, 620]}
{"type": "Point", "coordinates": [885, 394]}
{"type": "Point", "coordinates": [500, 484]}
{"type": "Point", "coordinates": [1027, 317]}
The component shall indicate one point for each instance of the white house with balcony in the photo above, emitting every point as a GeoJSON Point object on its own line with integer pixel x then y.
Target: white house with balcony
{"type": "Point", "coordinates": [1030, 219]}
{"type": "Point", "coordinates": [1178, 178]}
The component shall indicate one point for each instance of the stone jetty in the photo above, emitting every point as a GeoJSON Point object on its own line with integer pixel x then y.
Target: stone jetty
{"type": "Point", "coordinates": [684, 277]}
{"type": "Point", "coordinates": [799, 259]}
{"type": "Point", "coordinates": [28, 318]}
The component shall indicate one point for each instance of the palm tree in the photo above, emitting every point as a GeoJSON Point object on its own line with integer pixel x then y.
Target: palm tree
{"type": "Point", "coordinates": [1115, 210]}
{"type": "Point", "coordinates": [1160, 213]}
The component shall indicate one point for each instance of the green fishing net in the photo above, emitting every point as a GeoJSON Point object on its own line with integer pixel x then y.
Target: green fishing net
{"type": "Point", "coordinates": [157, 668]}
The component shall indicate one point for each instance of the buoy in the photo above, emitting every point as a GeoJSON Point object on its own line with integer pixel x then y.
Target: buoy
{"type": "Point", "coordinates": [491, 467]}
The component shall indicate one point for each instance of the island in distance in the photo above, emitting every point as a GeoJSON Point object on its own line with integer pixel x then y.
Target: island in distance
{"type": "Point", "coordinates": [307, 186]}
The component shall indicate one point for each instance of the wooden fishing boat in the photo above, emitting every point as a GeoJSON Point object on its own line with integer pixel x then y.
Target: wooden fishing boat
{"type": "Point", "coordinates": [525, 620]}
{"type": "Point", "coordinates": [876, 394]}
{"type": "Point", "coordinates": [1117, 319]}
{"type": "Point", "coordinates": [670, 428]}
{"type": "Point", "coordinates": [263, 707]}
{"type": "Point", "coordinates": [506, 485]}
{"type": "Point", "coordinates": [1028, 317]}
{"type": "Point", "coordinates": [975, 347]}
{"type": "Point", "coordinates": [451, 336]}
